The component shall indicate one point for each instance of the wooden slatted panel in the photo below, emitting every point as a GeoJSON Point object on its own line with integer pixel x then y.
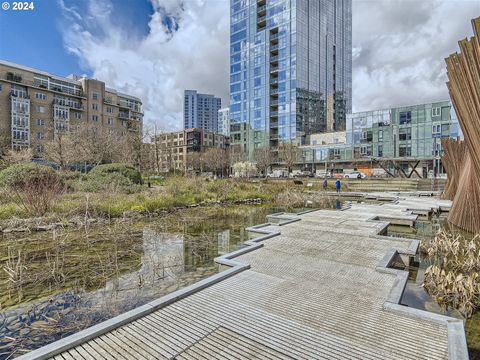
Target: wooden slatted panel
{"type": "Point", "coordinates": [463, 71]}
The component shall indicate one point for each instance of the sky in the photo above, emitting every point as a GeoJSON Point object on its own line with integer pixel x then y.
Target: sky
{"type": "Point", "coordinates": [155, 49]}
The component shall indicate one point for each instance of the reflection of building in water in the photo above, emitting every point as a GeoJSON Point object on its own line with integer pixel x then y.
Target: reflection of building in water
{"type": "Point", "coordinates": [223, 242]}
{"type": "Point", "coordinates": [199, 251]}
{"type": "Point", "coordinates": [162, 258]}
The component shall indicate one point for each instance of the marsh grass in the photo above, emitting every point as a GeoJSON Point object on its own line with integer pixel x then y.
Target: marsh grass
{"type": "Point", "coordinates": [454, 278]}
{"type": "Point", "coordinates": [176, 192]}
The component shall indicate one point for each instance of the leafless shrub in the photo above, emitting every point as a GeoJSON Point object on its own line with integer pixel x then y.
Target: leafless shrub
{"type": "Point", "coordinates": [456, 291]}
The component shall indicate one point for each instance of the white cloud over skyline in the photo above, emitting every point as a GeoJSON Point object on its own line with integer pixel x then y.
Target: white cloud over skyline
{"type": "Point", "coordinates": [398, 51]}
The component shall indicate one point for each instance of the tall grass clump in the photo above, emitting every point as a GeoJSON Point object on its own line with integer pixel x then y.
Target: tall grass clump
{"type": "Point", "coordinates": [32, 187]}
{"type": "Point", "coordinates": [455, 278]}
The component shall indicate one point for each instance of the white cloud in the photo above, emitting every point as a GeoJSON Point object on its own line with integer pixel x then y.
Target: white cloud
{"type": "Point", "coordinates": [399, 51]}
{"type": "Point", "coordinates": [162, 64]}
{"type": "Point", "coordinates": [400, 46]}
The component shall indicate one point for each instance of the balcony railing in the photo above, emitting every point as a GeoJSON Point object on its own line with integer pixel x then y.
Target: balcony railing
{"type": "Point", "coordinates": [274, 91]}
{"type": "Point", "coordinates": [274, 36]}
{"type": "Point", "coordinates": [274, 48]}
{"type": "Point", "coordinates": [261, 9]}
{"type": "Point", "coordinates": [19, 95]}
{"type": "Point", "coordinates": [261, 19]}
{"type": "Point", "coordinates": [273, 102]}
{"type": "Point", "coordinates": [274, 59]}
{"type": "Point", "coordinates": [274, 114]}
{"type": "Point", "coordinates": [274, 81]}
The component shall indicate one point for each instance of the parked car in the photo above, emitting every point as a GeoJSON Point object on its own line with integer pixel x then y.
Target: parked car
{"type": "Point", "coordinates": [322, 174]}
{"type": "Point", "coordinates": [302, 174]}
{"type": "Point", "coordinates": [355, 175]}
{"type": "Point", "coordinates": [278, 174]}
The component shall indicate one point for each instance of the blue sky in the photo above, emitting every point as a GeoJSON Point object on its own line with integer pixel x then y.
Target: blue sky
{"type": "Point", "coordinates": [35, 38]}
{"type": "Point", "coordinates": [399, 48]}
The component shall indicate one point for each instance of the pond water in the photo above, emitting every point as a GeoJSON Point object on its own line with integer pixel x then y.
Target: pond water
{"type": "Point", "coordinates": [415, 295]}
{"type": "Point", "coordinates": [55, 284]}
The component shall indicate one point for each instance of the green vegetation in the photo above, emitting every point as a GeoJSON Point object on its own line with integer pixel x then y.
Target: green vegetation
{"type": "Point", "coordinates": [115, 190]}
{"type": "Point", "coordinates": [31, 187]}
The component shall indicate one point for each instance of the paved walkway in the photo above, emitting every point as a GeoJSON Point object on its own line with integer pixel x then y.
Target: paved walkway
{"type": "Point", "coordinates": [321, 289]}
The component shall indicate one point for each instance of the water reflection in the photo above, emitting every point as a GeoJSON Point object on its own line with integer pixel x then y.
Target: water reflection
{"type": "Point", "coordinates": [415, 295]}
{"type": "Point", "coordinates": [106, 272]}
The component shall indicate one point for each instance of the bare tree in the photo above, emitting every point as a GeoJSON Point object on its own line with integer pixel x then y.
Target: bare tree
{"type": "Point", "coordinates": [18, 156]}
{"type": "Point", "coordinates": [264, 158]}
{"type": "Point", "coordinates": [215, 160]}
{"type": "Point", "coordinates": [289, 153]}
{"type": "Point", "coordinates": [59, 150]}
{"type": "Point", "coordinates": [196, 161]}
{"type": "Point", "coordinates": [236, 154]}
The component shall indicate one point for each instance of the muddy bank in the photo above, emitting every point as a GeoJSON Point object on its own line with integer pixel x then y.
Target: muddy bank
{"type": "Point", "coordinates": [49, 223]}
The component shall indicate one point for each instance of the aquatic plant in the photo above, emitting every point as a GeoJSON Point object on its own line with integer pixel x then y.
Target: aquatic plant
{"type": "Point", "coordinates": [453, 290]}
{"type": "Point", "coordinates": [455, 251]}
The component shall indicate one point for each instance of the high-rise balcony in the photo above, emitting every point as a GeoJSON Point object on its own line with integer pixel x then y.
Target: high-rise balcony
{"type": "Point", "coordinates": [273, 113]}
{"type": "Point", "coordinates": [274, 49]}
{"type": "Point", "coordinates": [261, 10]}
{"type": "Point", "coordinates": [274, 59]}
{"type": "Point", "coordinates": [274, 102]}
{"type": "Point", "coordinates": [273, 124]}
{"type": "Point", "coordinates": [274, 81]}
{"type": "Point", "coordinates": [273, 68]}
{"type": "Point", "coordinates": [274, 92]}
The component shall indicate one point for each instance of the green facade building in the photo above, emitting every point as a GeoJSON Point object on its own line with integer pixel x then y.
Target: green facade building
{"type": "Point", "coordinates": [404, 141]}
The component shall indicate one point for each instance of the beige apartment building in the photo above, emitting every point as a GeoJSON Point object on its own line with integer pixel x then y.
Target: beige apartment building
{"type": "Point", "coordinates": [174, 150]}
{"type": "Point", "coordinates": [36, 105]}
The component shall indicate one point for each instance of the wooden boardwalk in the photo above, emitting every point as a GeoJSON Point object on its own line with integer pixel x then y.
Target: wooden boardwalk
{"type": "Point", "coordinates": [318, 287]}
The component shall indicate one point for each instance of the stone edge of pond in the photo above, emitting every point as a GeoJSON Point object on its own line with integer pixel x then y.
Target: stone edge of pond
{"type": "Point", "coordinates": [457, 341]}
{"type": "Point", "coordinates": [457, 344]}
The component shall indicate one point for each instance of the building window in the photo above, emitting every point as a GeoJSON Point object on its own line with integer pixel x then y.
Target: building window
{"type": "Point", "coordinates": [40, 148]}
{"type": "Point", "coordinates": [405, 134]}
{"type": "Point", "coordinates": [436, 111]}
{"type": "Point", "coordinates": [40, 109]}
{"type": "Point", "coordinates": [380, 135]}
{"type": "Point", "coordinates": [366, 151]}
{"type": "Point", "coordinates": [40, 122]}
{"type": "Point", "coordinates": [405, 151]}
{"type": "Point", "coordinates": [436, 130]}
{"type": "Point", "coordinates": [108, 99]}
{"type": "Point", "coordinates": [0, 87]}
{"type": "Point", "coordinates": [78, 116]}
{"type": "Point", "coordinates": [94, 117]}
{"type": "Point", "coordinates": [380, 150]}
{"type": "Point", "coordinates": [109, 109]}
{"type": "Point", "coordinates": [40, 136]}
{"type": "Point", "coordinates": [94, 96]}
{"type": "Point", "coordinates": [40, 96]}
{"type": "Point", "coordinates": [405, 117]}
{"type": "Point", "coordinates": [110, 121]}
{"type": "Point", "coordinates": [445, 130]}
{"type": "Point", "coordinates": [94, 106]}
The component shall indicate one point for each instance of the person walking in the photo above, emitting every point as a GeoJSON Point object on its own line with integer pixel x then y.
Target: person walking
{"type": "Point", "coordinates": [338, 185]}
{"type": "Point", "coordinates": [325, 184]}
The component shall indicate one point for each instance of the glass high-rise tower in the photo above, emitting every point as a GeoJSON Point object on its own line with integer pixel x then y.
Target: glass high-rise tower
{"type": "Point", "coordinates": [290, 70]}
